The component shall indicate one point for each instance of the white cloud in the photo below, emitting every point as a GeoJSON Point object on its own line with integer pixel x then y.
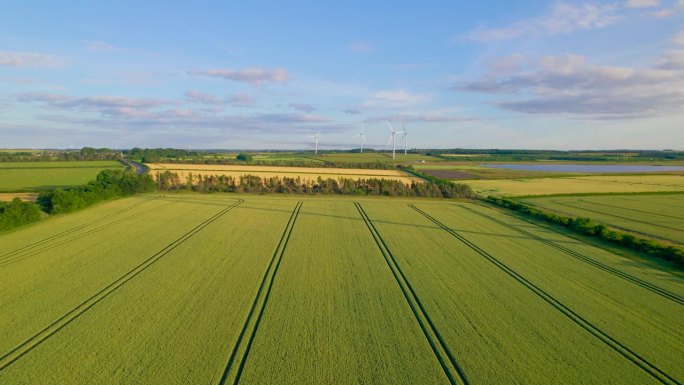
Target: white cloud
{"type": "Point", "coordinates": [242, 100]}
{"type": "Point", "coordinates": [429, 117]}
{"type": "Point", "coordinates": [247, 75]}
{"type": "Point", "coordinates": [563, 18]}
{"type": "Point", "coordinates": [28, 59]}
{"type": "Point", "coordinates": [394, 99]}
{"type": "Point", "coordinates": [642, 3]}
{"type": "Point", "coordinates": [570, 85]}
{"type": "Point", "coordinates": [663, 13]}
{"type": "Point", "coordinates": [202, 98]}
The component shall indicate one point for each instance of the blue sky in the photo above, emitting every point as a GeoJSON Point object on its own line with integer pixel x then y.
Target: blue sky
{"type": "Point", "coordinates": [264, 74]}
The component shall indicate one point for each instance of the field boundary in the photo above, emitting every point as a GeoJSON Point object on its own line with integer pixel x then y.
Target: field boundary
{"type": "Point", "coordinates": [19, 256]}
{"type": "Point", "coordinates": [32, 342]}
{"type": "Point", "coordinates": [620, 348]}
{"type": "Point", "coordinates": [251, 325]}
{"type": "Point", "coordinates": [561, 211]}
{"type": "Point", "coordinates": [597, 194]}
{"type": "Point", "coordinates": [616, 216]}
{"type": "Point", "coordinates": [628, 209]}
{"type": "Point", "coordinates": [618, 273]}
{"type": "Point", "coordinates": [452, 370]}
{"type": "Point", "coordinates": [52, 237]}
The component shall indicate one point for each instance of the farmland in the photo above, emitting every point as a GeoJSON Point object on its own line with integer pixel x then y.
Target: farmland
{"type": "Point", "coordinates": [579, 185]}
{"type": "Point", "coordinates": [37, 176]}
{"type": "Point", "coordinates": [305, 173]}
{"type": "Point", "coordinates": [659, 216]}
{"type": "Point", "coordinates": [217, 289]}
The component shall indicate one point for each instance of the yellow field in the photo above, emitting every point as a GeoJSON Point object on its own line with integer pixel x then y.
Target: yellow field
{"type": "Point", "coordinates": [23, 196]}
{"type": "Point", "coordinates": [305, 173]}
{"type": "Point", "coordinates": [576, 185]}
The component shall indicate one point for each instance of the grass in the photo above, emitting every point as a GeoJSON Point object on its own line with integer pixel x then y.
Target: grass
{"type": "Point", "coordinates": [214, 288]}
{"type": "Point", "coordinates": [579, 185]}
{"type": "Point", "coordinates": [305, 173]}
{"type": "Point", "coordinates": [659, 216]}
{"type": "Point", "coordinates": [38, 176]}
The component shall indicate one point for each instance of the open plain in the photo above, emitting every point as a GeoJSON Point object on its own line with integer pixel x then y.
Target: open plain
{"type": "Point", "coordinates": [218, 289]}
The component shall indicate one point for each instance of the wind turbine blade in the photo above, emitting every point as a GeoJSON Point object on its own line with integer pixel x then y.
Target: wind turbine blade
{"type": "Point", "coordinates": [390, 126]}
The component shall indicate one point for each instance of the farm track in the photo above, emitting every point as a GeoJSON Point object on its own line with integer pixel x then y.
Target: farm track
{"type": "Point", "coordinates": [20, 256]}
{"type": "Point", "coordinates": [65, 232]}
{"type": "Point", "coordinates": [241, 349]}
{"type": "Point", "coordinates": [29, 344]}
{"type": "Point", "coordinates": [632, 356]}
{"type": "Point", "coordinates": [616, 216]}
{"type": "Point", "coordinates": [446, 359]}
{"type": "Point", "coordinates": [620, 274]}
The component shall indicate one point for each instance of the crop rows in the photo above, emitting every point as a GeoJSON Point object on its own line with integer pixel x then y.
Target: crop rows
{"type": "Point", "coordinates": [618, 273]}
{"type": "Point", "coordinates": [650, 215]}
{"type": "Point", "coordinates": [446, 358]}
{"type": "Point", "coordinates": [60, 239]}
{"type": "Point", "coordinates": [240, 351]}
{"type": "Point", "coordinates": [173, 290]}
{"type": "Point", "coordinates": [30, 343]}
{"type": "Point", "coordinates": [637, 359]}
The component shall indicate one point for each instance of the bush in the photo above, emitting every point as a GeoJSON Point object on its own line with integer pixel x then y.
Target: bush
{"type": "Point", "coordinates": [17, 213]}
{"type": "Point", "coordinates": [245, 157]}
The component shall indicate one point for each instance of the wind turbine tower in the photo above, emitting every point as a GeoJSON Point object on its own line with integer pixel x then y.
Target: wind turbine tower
{"type": "Point", "coordinates": [363, 138]}
{"type": "Point", "coordinates": [403, 129]}
{"type": "Point", "coordinates": [392, 139]}
{"type": "Point", "coordinates": [316, 141]}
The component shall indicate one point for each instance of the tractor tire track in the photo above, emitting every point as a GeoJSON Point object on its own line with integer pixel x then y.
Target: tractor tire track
{"type": "Point", "coordinates": [36, 250]}
{"type": "Point", "coordinates": [32, 342]}
{"type": "Point", "coordinates": [242, 347]}
{"type": "Point", "coordinates": [65, 232]}
{"type": "Point", "coordinates": [447, 361]}
{"type": "Point", "coordinates": [628, 209]}
{"type": "Point", "coordinates": [617, 216]}
{"type": "Point", "coordinates": [617, 346]}
{"type": "Point", "coordinates": [620, 274]}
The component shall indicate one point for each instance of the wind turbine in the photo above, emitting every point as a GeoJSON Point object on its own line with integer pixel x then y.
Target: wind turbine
{"type": "Point", "coordinates": [316, 140]}
{"type": "Point", "coordinates": [392, 139]}
{"type": "Point", "coordinates": [403, 137]}
{"type": "Point", "coordinates": [363, 138]}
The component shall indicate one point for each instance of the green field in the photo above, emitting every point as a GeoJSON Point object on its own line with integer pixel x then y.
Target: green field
{"type": "Point", "coordinates": [384, 157]}
{"type": "Point", "coordinates": [218, 289]}
{"type": "Point", "coordinates": [37, 176]}
{"type": "Point", "coordinates": [579, 185]}
{"type": "Point", "coordinates": [658, 216]}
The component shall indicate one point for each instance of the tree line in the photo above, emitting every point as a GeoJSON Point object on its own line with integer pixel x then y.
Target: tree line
{"type": "Point", "coordinates": [84, 154]}
{"type": "Point", "coordinates": [587, 227]}
{"type": "Point", "coordinates": [107, 185]}
{"type": "Point", "coordinates": [168, 180]}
